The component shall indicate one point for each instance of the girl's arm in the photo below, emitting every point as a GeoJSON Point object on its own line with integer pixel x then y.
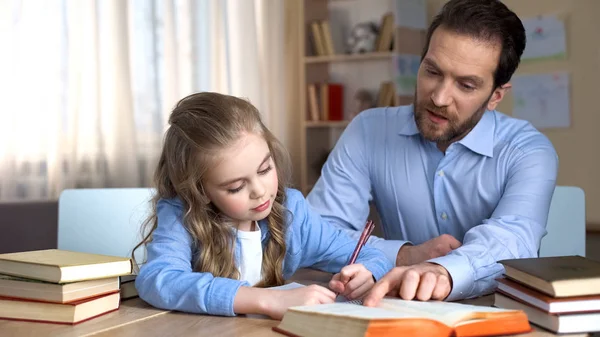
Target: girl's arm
{"type": "Point", "coordinates": [167, 280]}
{"type": "Point", "coordinates": [274, 303]}
{"type": "Point", "coordinates": [325, 246]}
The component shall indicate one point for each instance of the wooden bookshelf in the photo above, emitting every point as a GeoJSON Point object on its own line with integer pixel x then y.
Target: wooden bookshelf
{"type": "Point", "coordinates": [329, 63]}
{"type": "Point", "coordinates": [349, 57]}
{"type": "Point", "coordinates": [326, 124]}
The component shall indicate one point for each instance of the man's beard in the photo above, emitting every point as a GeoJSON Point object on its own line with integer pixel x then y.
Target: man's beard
{"type": "Point", "coordinates": [454, 129]}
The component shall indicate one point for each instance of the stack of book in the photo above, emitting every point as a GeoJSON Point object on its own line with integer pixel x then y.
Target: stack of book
{"type": "Point", "coordinates": [561, 294]}
{"type": "Point", "coordinates": [58, 286]}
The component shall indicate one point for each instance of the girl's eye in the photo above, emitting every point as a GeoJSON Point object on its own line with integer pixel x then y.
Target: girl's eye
{"type": "Point", "coordinates": [265, 171]}
{"type": "Point", "coordinates": [235, 190]}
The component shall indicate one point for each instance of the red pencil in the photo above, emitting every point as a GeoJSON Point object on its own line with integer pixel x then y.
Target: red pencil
{"type": "Point", "coordinates": [364, 237]}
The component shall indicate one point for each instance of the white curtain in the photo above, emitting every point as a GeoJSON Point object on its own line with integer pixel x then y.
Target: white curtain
{"type": "Point", "coordinates": [89, 84]}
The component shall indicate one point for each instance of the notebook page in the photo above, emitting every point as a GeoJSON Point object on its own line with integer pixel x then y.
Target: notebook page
{"type": "Point", "coordinates": [288, 286]}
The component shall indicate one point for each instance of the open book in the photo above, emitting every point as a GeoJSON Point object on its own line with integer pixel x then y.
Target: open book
{"type": "Point", "coordinates": [396, 317]}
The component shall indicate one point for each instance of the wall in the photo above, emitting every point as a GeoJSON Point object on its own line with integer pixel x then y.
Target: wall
{"type": "Point", "coordinates": [578, 145]}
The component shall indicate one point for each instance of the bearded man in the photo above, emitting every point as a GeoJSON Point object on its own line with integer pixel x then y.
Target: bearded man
{"type": "Point", "coordinates": [458, 185]}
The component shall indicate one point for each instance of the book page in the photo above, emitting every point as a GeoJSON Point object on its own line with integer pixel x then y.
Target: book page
{"type": "Point", "coordinates": [449, 313]}
{"type": "Point", "coordinates": [357, 311]}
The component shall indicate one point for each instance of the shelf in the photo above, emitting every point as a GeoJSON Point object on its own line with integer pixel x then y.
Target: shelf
{"type": "Point", "coordinates": [327, 124]}
{"type": "Point", "coordinates": [347, 57]}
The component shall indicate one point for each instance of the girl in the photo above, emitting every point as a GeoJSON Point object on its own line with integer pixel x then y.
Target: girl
{"type": "Point", "coordinates": [225, 226]}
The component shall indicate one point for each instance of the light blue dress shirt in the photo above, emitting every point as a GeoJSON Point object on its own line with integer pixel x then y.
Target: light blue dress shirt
{"type": "Point", "coordinates": [167, 279]}
{"type": "Point", "coordinates": [491, 190]}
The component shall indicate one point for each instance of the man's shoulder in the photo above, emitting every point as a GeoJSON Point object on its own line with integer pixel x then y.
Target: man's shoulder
{"type": "Point", "coordinates": [520, 135]}
{"type": "Point", "coordinates": [386, 114]}
{"type": "Point", "coordinates": [382, 121]}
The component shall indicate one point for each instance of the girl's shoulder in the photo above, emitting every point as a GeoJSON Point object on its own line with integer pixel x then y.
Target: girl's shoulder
{"type": "Point", "coordinates": [169, 205]}
{"type": "Point", "coordinates": [294, 199]}
{"type": "Point", "coordinates": [297, 207]}
{"type": "Point", "coordinates": [175, 202]}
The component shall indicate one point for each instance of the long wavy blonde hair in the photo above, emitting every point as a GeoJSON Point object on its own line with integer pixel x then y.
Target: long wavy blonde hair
{"type": "Point", "coordinates": [201, 125]}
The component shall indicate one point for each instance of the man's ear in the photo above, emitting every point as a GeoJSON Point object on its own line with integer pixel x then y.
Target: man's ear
{"type": "Point", "coordinates": [498, 95]}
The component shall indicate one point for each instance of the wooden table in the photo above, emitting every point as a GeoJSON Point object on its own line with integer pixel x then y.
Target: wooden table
{"type": "Point", "coordinates": [136, 318]}
{"type": "Point", "coordinates": [133, 310]}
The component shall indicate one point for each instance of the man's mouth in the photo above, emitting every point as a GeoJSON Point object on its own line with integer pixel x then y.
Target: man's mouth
{"type": "Point", "coordinates": [437, 119]}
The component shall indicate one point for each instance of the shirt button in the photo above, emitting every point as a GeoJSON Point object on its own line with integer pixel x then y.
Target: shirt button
{"type": "Point", "coordinates": [441, 173]}
{"type": "Point", "coordinates": [444, 216]}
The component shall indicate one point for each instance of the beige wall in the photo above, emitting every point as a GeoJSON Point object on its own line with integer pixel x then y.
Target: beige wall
{"type": "Point", "coordinates": [578, 146]}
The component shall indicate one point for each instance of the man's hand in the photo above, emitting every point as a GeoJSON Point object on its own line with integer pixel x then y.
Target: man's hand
{"type": "Point", "coordinates": [409, 255]}
{"type": "Point", "coordinates": [423, 281]}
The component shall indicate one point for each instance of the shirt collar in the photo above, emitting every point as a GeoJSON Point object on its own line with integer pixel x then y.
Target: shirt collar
{"type": "Point", "coordinates": [480, 139]}
{"type": "Point", "coordinates": [409, 126]}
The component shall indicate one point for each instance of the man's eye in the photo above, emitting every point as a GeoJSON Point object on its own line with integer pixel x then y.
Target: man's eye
{"type": "Point", "coordinates": [467, 87]}
{"type": "Point", "coordinates": [432, 72]}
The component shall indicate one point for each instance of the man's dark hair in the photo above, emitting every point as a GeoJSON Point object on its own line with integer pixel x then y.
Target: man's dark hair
{"type": "Point", "coordinates": [488, 20]}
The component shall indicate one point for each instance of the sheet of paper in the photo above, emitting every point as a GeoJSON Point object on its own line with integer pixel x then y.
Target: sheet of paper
{"type": "Point", "coordinates": [542, 99]}
{"type": "Point", "coordinates": [545, 38]}
{"type": "Point", "coordinates": [411, 14]}
{"type": "Point", "coordinates": [288, 286]}
{"type": "Point", "coordinates": [406, 67]}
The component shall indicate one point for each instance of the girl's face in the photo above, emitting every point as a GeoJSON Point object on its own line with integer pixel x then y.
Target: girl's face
{"type": "Point", "coordinates": [243, 182]}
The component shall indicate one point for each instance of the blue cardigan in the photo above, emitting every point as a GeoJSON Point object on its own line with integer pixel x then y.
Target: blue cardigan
{"type": "Point", "coordinates": [167, 281]}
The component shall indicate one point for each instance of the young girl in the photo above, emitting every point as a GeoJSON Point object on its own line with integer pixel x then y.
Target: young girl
{"type": "Point", "coordinates": [225, 226]}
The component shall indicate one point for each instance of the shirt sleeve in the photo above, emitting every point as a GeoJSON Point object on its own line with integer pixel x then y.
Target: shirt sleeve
{"type": "Point", "coordinates": [514, 230]}
{"type": "Point", "coordinates": [167, 280]}
{"type": "Point", "coordinates": [327, 247]}
{"type": "Point", "coordinates": [343, 192]}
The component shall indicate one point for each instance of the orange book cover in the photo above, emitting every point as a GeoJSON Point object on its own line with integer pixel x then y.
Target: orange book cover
{"type": "Point", "coordinates": [395, 317]}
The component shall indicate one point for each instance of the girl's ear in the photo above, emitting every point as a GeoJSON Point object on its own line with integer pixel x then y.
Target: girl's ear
{"type": "Point", "coordinates": [205, 198]}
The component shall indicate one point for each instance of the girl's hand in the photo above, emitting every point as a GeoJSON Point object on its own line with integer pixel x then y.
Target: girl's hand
{"type": "Point", "coordinates": [277, 302]}
{"type": "Point", "coordinates": [353, 281]}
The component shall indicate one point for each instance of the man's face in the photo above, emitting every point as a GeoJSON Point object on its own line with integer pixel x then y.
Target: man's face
{"type": "Point", "coordinates": [455, 85]}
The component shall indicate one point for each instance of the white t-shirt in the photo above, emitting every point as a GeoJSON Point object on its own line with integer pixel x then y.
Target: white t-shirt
{"type": "Point", "coordinates": [250, 267]}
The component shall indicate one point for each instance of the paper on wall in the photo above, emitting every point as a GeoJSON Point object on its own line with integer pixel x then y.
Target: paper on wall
{"type": "Point", "coordinates": [546, 38]}
{"type": "Point", "coordinates": [406, 67]}
{"type": "Point", "coordinates": [542, 99]}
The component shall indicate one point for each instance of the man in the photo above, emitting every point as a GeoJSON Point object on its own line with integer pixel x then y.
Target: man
{"type": "Point", "coordinates": [458, 185]}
